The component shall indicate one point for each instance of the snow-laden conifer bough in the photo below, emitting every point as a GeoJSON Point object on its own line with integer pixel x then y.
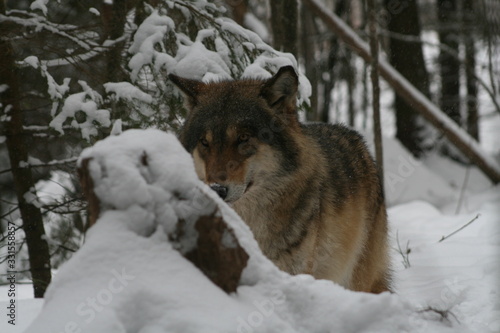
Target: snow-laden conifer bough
{"type": "Point", "coordinates": [165, 254]}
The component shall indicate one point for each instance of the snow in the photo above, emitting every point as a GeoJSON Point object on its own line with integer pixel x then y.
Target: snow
{"type": "Point", "coordinates": [459, 274]}
{"type": "Point", "coordinates": [150, 33]}
{"type": "Point", "coordinates": [41, 5]}
{"type": "Point", "coordinates": [223, 50]}
{"type": "Point", "coordinates": [53, 189]}
{"type": "Point", "coordinates": [32, 61]}
{"type": "Point", "coordinates": [408, 179]}
{"type": "Point", "coordinates": [117, 127]}
{"type": "Point", "coordinates": [32, 199]}
{"type": "Point", "coordinates": [254, 24]}
{"type": "Point", "coordinates": [127, 91]}
{"type": "Point", "coordinates": [129, 277]}
{"type": "Point", "coordinates": [198, 62]}
{"type": "Point", "coordinates": [86, 102]}
{"type": "Point", "coordinates": [95, 11]}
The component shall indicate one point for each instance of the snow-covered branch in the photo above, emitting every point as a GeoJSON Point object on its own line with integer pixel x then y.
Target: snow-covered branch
{"type": "Point", "coordinates": [39, 23]}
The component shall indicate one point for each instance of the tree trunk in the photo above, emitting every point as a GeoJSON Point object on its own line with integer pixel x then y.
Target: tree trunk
{"type": "Point", "coordinates": [114, 16]}
{"type": "Point", "coordinates": [412, 96]}
{"type": "Point", "coordinates": [351, 83]}
{"type": "Point", "coordinates": [333, 58]}
{"type": "Point", "coordinates": [470, 69]}
{"type": "Point", "coordinates": [308, 51]}
{"type": "Point", "coordinates": [377, 130]}
{"type": "Point", "coordinates": [284, 18]}
{"type": "Point", "coordinates": [38, 249]}
{"type": "Point", "coordinates": [407, 59]}
{"type": "Point", "coordinates": [239, 9]}
{"type": "Point", "coordinates": [448, 64]}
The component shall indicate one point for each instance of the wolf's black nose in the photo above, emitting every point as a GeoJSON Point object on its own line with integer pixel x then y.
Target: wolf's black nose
{"type": "Point", "coordinates": [220, 189]}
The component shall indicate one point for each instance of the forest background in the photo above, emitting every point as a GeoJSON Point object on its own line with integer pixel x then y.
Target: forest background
{"type": "Point", "coordinates": [73, 72]}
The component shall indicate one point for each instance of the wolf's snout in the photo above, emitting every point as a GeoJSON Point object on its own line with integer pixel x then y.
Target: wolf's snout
{"type": "Point", "coordinates": [220, 190]}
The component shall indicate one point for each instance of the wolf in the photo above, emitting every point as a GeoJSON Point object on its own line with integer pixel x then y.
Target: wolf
{"type": "Point", "coordinates": [310, 193]}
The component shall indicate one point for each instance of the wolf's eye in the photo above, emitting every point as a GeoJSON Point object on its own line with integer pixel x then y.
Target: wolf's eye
{"type": "Point", "coordinates": [204, 142]}
{"type": "Point", "coordinates": [243, 138]}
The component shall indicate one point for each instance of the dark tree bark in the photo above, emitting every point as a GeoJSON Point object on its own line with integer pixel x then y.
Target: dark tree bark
{"type": "Point", "coordinates": [448, 64]}
{"type": "Point", "coordinates": [377, 130]}
{"type": "Point", "coordinates": [351, 83]}
{"type": "Point", "coordinates": [407, 59]}
{"type": "Point", "coordinates": [38, 249]}
{"type": "Point", "coordinates": [470, 69]}
{"type": "Point", "coordinates": [333, 55]}
{"type": "Point", "coordinates": [308, 50]}
{"type": "Point", "coordinates": [239, 9]}
{"type": "Point", "coordinates": [114, 16]}
{"type": "Point", "coordinates": [328, 84]}
{"type": "Point", "coordinates": [284, 18]}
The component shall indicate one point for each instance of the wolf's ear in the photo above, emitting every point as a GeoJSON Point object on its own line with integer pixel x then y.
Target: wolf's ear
{"type": "Point", "coordinates": [190, 88]}
{"type": "Point", "coordinates": [280, 91]}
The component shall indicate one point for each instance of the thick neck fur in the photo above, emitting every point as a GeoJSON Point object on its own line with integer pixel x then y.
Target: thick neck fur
{"type": "Point", "coordinates": [267, 209]}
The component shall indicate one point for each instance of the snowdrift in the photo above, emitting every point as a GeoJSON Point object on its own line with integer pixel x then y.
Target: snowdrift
{"type": "Point", "coordinates": [130, 277]}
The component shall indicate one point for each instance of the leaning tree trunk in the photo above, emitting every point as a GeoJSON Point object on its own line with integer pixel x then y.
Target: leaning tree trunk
{"type": "Point", "coordinates": [408, 59]}
{"type": "Point", "coordinates": [284, 18]}
{"type": "Point", "coordinates": [38, 249]}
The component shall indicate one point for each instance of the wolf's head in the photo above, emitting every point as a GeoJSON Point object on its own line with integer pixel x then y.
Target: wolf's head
{"type": "Point", "coordinates": [240, 133]}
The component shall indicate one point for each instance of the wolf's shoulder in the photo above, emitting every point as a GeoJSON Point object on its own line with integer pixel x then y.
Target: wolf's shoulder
{"type": "Point", "coordinates": [335, 136]}
{"type": "Point", "coordinates": [346, 155]}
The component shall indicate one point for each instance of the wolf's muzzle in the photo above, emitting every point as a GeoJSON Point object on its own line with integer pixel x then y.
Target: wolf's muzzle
{"type": "Point", "coordinates": [220, 190]}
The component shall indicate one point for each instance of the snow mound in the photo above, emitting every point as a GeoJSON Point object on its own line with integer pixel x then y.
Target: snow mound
{"type": "Point", "coordinates": [458, 274]}
{"type": "Point", "coordinates": [128, 277]}
{"type": "Point", "coordinates": [407, 178]}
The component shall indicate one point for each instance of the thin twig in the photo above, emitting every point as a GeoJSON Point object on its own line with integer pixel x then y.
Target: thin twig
{"type": "Point", "coordinates": [454, 232]}
{"type": "Point", "coordinates": [445, 314]}
{"type": "Point", "coordinates": [405, 255]}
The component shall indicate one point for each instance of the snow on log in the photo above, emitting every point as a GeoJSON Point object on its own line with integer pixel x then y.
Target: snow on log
{"type": "Point", "coordinates": [460, 138]}
{"type": "Point", "coordinates": [164, 250]}
{"type": "Point", "coordinates": [199, 232]}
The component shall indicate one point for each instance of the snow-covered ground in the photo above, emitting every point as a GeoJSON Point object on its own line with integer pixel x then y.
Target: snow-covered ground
{"type": "Point", "coordinates": [127, 277]}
